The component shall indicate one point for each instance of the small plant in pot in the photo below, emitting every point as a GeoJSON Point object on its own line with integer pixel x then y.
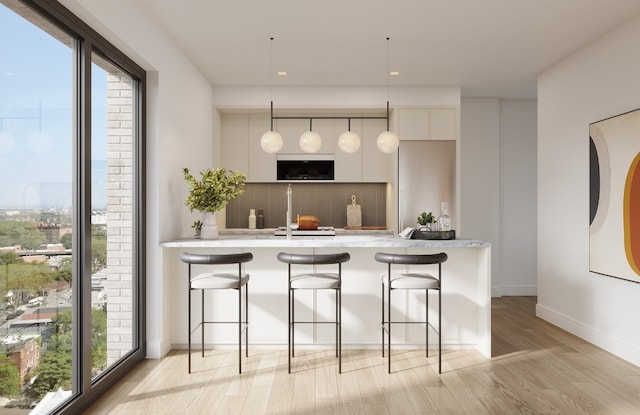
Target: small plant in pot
{"type": "Point", "coordinates": [426, 219]}
{"type": "Point", "coordinates": [197, 227]}
{"type": "Point", "coordinates": [210, 193]}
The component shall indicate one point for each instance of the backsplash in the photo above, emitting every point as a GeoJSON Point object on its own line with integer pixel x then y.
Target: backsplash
{"type": "Point", "coordinates": [327, 201]}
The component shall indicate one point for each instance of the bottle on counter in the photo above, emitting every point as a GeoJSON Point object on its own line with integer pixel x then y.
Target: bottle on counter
{"type": "Point", "coordinates": [260, 219]}
{"type": "Point", "coordinates": [444, 221]}
{"type": "Point", "coordinates": [252, 218]}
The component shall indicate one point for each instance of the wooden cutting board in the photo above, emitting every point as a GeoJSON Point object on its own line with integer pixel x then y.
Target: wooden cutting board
{"type": "Point", "coordinates": [354, 213]}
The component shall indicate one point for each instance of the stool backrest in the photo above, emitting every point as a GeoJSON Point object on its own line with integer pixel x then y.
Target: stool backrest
{"type": "Point", "coordinates": [212, 259]}
{"type": "Point", "coordinates": [314, 259]}
{"type": "Point", "coordinates": [411, 259]}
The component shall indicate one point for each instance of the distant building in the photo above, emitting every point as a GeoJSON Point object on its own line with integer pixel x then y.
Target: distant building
{"type": "Point", "coordinates": [53, 232]}
{"type": "Point", "coordinates": [24, 353]}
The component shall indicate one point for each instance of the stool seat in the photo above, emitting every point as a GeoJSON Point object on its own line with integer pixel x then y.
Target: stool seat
{"type": "Point", "coordinates": [315, 281]}
{"type": "Point", "coordinates": [412, 281]}
{"type": "Point", "coordinates": [212, 281]}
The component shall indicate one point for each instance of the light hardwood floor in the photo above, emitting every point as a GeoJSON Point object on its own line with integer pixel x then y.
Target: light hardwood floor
{"type": "Point", "coordinates": [536, 368]}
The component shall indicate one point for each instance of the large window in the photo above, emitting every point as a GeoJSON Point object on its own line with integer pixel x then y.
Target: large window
{"type": "Point", "coordinates": [71, 162]}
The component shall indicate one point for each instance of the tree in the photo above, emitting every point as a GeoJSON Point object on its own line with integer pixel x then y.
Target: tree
{"type": "Point", "coordinates": [54, 371]}
{"type": "Point", "coordinates": [24, 233]}
{"type": "Point", "coordinates": [64, 271]}
{"type": "Point", "coordinates": [98, 339]}
{"type": "Point", "coordinates": [66, 240]}
{"type": "Point", "coordinates": [9, 377]}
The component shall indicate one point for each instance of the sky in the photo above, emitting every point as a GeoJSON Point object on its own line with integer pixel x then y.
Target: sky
{"type": "Point", "coordinates": [36, 119]}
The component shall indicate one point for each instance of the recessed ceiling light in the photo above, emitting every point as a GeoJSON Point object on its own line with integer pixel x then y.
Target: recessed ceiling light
{"type": "Point", "coordinates": [394, 73]}
{"type": "Point", "coordinates": [282, 73]}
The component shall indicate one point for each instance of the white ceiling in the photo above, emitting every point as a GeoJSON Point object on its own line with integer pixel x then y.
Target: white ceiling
{"type": "Point", "coordinates": [490, 48]}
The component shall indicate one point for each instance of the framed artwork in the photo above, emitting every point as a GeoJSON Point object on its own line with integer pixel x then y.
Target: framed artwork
{"type": "Point", "coordinates": [614, 227]}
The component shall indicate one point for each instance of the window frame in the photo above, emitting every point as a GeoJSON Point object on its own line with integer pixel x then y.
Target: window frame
{"type": "Point", "coordinates": [87, 42]}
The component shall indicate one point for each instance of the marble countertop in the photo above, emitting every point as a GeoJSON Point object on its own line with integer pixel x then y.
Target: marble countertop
{"type": "Point", "coordinates": [364, 239]}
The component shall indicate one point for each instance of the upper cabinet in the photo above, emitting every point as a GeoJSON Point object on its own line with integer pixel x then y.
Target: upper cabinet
{"type": "Point", "coordinates": [428, 123]}
{"type": "Point", "coordinates": [241, 148]}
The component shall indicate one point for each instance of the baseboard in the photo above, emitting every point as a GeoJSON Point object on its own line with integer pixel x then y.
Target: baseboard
{"type": "Point", "coordinates": [154, 350]}
{"type": "Point", "coordinates": [613, 345]}
{"type": "Point", "coordinates": [514, 290]}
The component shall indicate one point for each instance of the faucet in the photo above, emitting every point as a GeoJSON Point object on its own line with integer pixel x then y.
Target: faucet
{"type": "Point", "coordinates": [289, 209]}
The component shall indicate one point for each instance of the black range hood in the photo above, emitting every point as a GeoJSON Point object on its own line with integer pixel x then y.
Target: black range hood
{"type": "Point", "coordinates": [305, 167]}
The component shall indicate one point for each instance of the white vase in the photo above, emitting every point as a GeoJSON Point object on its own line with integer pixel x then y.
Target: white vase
{"type": "Point", "coordinates": [209, 228]}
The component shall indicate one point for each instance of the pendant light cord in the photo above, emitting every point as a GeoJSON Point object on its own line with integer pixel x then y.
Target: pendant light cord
{"type": "Point", "coordinates": [271, 79]}
{"type": "Point", "coordinates": [387, 84]}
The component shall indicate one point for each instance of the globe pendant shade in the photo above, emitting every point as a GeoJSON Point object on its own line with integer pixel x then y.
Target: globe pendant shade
{"type": "Point", "coordinates": [271, 142]}
{"type": "Point", "coordinates": [310, 142]}
{"type": "Point", "coordinates": [388, 142]}
{"type": "Point", "coordinates": [349, 142]}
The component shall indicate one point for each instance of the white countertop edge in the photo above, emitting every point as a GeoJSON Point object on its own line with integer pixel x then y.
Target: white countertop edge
{"type": "Point", "coordinates": [345, 241]}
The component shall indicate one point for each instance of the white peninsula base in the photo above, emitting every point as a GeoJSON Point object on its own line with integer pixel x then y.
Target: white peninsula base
{"type": "Point", "coordinates": [466, 294]}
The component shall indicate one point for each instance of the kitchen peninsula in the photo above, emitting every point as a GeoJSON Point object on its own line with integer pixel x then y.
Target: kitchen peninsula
{"type": "Point", "coordinates": [466, 291]}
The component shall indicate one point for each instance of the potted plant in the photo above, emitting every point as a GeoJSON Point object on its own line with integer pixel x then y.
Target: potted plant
{"type": "Point", "coordinates": [197, 227]}
{"type": "Point", "coordinates": [210, 193]}
{"type": "Point", "coordinates": [426, 219]}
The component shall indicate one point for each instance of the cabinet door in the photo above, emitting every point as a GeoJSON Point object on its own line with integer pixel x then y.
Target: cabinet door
{"type": "Point", "coordinates": [376, 165]}
{"type": "Point", "coordinates": [291, 130]}
{"type": "Point", "coordinates": [348, 166]}
{"type": "Point", "coordinates": [413, 124]}
{"type": "Point", "coordinates": [235, 142]}
{"type": "Point", "coordinates": [262, 165]}
{"type": "Point", "coordinates": [443, 124]}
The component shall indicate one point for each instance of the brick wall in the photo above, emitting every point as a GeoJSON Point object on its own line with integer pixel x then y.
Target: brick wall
{"type": "Point", "coordinates": [119, 286]}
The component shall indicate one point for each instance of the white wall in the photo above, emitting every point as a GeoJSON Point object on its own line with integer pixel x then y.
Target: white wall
{"type": "Point", "coordinates": [180, 127]}
{"type": "Point", "coordinates": [597, 82]}
{"type": "Point", "coordinates": [498, 188]}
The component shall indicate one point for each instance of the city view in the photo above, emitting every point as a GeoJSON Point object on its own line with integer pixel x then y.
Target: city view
{"type": "Point", "coordinates": [66, 215]}
{"type": "Point", "coordinates": [35, 314]}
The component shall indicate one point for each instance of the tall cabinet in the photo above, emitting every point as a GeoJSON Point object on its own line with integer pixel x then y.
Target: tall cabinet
{"type": "Point", "coordinates": [427, 162]}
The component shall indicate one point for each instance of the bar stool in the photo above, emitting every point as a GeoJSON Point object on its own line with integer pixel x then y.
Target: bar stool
{"type": "Point", "coordinates": [220, 281]}
{"type": "Point", "coordinates": [315, 281]}
{"type": "Point", "coordinates": [411, 281]}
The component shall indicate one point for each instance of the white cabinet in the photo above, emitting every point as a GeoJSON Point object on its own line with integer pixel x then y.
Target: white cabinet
{"type": "Point", "coordinates": [348, 166]}
{"type": "Point", "coordinates": [262, 165]}
{"type": "Point", "coordinates": [235, 142]}
{"type": "Point", "coordinates": [428, 123]}
{"type": "Point", "coordinates": [241, 150]}
{"type": "Point", "coordinates": [376, 165]}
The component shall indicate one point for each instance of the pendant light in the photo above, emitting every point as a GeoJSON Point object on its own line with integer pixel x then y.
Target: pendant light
{"type": "Point", "coordinates": [388, 141]}
{"type": "Point", "coordinates": [310, 141]}
{"type": "Point", "coordinates": [349, 142]}
{"type": "Point", "coordinates": [271, 141]}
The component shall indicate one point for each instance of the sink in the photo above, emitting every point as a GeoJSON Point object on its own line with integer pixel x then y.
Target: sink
{"type": "Point", "coordinates": [321, 231]}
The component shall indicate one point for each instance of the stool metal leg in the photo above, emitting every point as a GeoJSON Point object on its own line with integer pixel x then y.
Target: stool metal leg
{"type": "Point", "coordinates": [202, 323]}
{"type": "Point", "coordinates": [246, 319]}
{"type": "Point", "coordinates": [239, 327]}
{"type": "Point", "coordinates": [289, 322]}
{"type": "Point", "coordinates": [340, 331]}
{"type": "Point", "coordinates": [426, 328]}
{"type": "Point", "coordinates": [439, 328]}
{"type": "Point", "coordinates": [337, 323]}
{"type": "Point", "coordinates": [389, 323]}
{"type": "Point", "coordinates": [382, 320]}
{"type": "Point", "coordinates": [189, 324]}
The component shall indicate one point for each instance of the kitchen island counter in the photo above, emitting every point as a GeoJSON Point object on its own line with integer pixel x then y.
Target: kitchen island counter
{"type": "Point", "coordinates": [466, 291]}
{"type": "Point", "coordinates": [345, 240]}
